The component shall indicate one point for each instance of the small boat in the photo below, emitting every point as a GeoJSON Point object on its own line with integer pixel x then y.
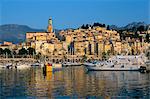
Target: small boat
{"type": "Point", "coordinates": [22, 66]}
{"type": "Point", "coordinates": [65, 64]}
{"type": "Point", "coordinates": [101, 65]}
{"type": "Point", "coordinates": [37, 64]}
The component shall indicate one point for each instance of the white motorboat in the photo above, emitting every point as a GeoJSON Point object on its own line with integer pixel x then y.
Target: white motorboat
{"type": "Point", "coordinates": [36, 64]}
{"type": "Point", "coordinates": [22, 66]}
{"type": "Point", "coordinates": [100, 65]}
{"type": "Point", "coordinates": [119, 63]}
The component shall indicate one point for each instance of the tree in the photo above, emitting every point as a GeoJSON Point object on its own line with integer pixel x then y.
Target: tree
{"type": "Point", "coordinates": [23, 51]}
{"type": "Point", "coordinates": [1, 51]}
{"type": "Point", "coordinates": [31, 51]}
{"type": "Point", "coordinates": [7, 51]}
{"type": "Point", "coordinates": [141, 28]}
{"type": "Point", "coordinates": [108, 28]}
{"type": "Point", "coordinates": [87, 26]}
{"type": "Point", "coordinates": [103, 25]}
{"type": "Point", "coordinates": [83, 27]}
{"type": "Point", "coordinates": [147, 38]}
{"type": "Point", "coordinates": [136, 35]}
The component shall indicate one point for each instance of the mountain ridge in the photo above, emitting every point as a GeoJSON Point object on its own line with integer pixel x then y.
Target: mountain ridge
{"type": "Point", "coordinates": [15, 33]}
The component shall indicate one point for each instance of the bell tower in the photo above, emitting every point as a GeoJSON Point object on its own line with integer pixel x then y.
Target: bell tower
{"type": "Point", "coordinates": [50, 27]}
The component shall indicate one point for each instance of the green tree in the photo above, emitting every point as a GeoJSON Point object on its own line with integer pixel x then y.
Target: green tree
{"type": "Point", "coordinates": [23, 51]}
{"type": "Point", "coordinates": [147, 38]}
{"type": "Point", "coordinates": [7, 51]}
{"type": "Point", "coordinates": [31, 51]}
{"type": "Point", "coordinates": [141, 28]}
{"type": "Point", "coordinates": [108, 28]}
{"type": "Point", "coordinates": [1, 51]}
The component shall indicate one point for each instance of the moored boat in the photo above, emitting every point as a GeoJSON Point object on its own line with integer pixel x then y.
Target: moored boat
{"type": "Point", "coordinates": [65, 64]}
{"type": "Point", "coordinates": [120, 63]}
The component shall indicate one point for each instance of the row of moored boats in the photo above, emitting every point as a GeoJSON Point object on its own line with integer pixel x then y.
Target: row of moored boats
{"type": "Point", "coordinates": [115, 63]}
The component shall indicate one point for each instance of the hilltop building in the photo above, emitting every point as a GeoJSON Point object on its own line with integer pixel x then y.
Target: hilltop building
{"type": "Point", "coordinates": [42, 36]}
{"type": "Point", "coordinates": [45, 43]}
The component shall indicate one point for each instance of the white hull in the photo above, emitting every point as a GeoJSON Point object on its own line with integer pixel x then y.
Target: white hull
{"type": "Point", "coordinates": [71, 64]}
{"type": "Point", "coordinates": [120, 63]}
{"type": "Point", "coordinates": [36, 64]}
{"type": "Point", "coordinates": [112, 67]}
{"type": "Point", "coordinates": [22, 66]}
{"type": "Point", "coordinates": [96, 68]}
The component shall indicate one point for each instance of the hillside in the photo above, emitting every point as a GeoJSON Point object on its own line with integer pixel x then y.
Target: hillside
{"type": "Point", "coordinates": [15, 33]}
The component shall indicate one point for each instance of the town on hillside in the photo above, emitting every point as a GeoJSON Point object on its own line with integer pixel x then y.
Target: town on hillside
{"type": "Point", "coordinates": [89, 42]}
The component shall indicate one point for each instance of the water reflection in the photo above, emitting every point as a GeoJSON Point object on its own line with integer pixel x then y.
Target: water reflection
{"type": "Point", "coordinates": [125, 84]}
{"type": "Point", "coordinates": [74, 82]}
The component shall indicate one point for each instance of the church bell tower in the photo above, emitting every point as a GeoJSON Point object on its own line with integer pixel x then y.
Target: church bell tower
{"type": "Point", "coordinates": [50, 27]}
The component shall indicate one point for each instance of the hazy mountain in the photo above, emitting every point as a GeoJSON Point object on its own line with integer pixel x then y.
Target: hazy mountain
{"type": "Point", "coordinates": [114, 27]}
{"type": "Point", "coordinates": [134, 26]}
{"type": "Point", "coordinates": [15, 33]}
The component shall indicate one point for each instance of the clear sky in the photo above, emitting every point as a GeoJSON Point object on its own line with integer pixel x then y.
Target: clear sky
{"type": "Point", "coordinates": [73, 13]}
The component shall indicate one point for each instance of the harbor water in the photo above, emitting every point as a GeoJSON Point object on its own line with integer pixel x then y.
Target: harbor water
{"type": "Point", "coordinates": [73, 82]}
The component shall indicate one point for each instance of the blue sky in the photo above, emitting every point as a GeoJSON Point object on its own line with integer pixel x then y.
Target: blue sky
{"type": "Point", "coordinates": [73, 13]}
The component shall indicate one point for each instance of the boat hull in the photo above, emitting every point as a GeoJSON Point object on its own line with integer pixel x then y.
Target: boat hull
{"type": "Point", "coordinates": [111, 69]}
{"type": "Point", "coordinates": [71, 64]}
{"type": "Point", "coordinates": [98, 68]}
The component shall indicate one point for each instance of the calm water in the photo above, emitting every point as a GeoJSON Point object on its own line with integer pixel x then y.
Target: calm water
{"type": "Point", "coordinates": [74, 82]}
